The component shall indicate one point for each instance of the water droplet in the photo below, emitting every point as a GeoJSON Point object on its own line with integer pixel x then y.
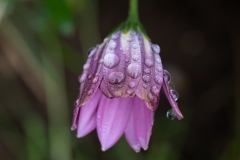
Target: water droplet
{"type": "Point", "coordinates": [86, 66]}
{"type": "Point", "coordinates": [130, 39]}
{"type": "Point", "coordinates": [111, 60]}
{"type": "Point", "coordinates": [115, 36]}
{"type": "Point", "coordinates": [135, 46]}
{"type": "Point", "coordinates": [95, 79]}
{"type": "Point", "coordinates": [159, 68]}
{"type": "Point", "coordinates": [135, 57]}
{"type": "Point", "coordinates": [155, 90]}
{"type": "Point", "coordinates": [90, 76]}
{"type": "Point", "coordinates": [158, 60]}
{"type": "Point", "coordinates": [145, 85]}
{"type": "Point", "coordinates": [90, 92]}
{"type": "Point", "coordinates": [148, 63]}
{"type": "Point", "coordinates": [134, 70]}
{"type": "Point", "coordinates": [82, 78]}
{"type": "Point", "coordinates": [112, 45]}
{"type": "Point", "coordinates": [91, 52]}
{"type": "Point", "coordinates": [167, 76]}
{"type": "Point", "coordinates": [147, 71]}
{"type": "Point", "coordinates": [132, 84]}
{"type": "Point", "coordinates": [129, 91]}
{"type": "Point", "coordinates": [170, 114]}
{"type": "Point", "coordinates": [133, 33]}
{"type": "Point", "coordinates": [150, 96]}
{"type": "Point", "coordinates": [115, 77]}
{"type": "Point", "coordinates": [155, 48]}
{"type": "Point", "coordinates": [158, 79]}
{"type": "Point", "coordinates": [76, 104]}
{"type": "Point", "coordinates": [146, 78]}
{"type": "Point", "coordinates": [174, 95]}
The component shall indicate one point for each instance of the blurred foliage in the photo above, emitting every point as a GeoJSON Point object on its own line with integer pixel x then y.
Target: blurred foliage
{"type": "Point", "coordinates": [43, 46]}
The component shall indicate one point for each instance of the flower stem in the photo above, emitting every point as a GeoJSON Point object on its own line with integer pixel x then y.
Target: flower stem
{"type": "Point", "coordinates": [133, 11]}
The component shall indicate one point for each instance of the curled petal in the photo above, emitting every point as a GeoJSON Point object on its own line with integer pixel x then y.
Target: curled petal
{"type": "Point", "coordinates": [112, 119]}
{"type": "Point", "coordinates": [143, 121]}
{"type": "Point", "coordinates": [87, 117]}
{"type": "Point", "coordinates": [130, 133]}
{"type": "Point", "coordinates": [172, 102]}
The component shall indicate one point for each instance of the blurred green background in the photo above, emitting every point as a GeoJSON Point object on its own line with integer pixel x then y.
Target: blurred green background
{"type": "Point", "coordinates": [44, 43]}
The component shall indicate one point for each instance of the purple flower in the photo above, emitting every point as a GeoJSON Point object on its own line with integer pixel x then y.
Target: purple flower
{"type": "Point", "coordinates": [119, 90]}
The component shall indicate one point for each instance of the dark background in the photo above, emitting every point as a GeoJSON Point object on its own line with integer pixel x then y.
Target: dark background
{"type": "Point", "coordinates": [43, 45]}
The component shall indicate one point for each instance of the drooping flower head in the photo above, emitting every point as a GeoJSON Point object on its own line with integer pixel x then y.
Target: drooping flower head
{"type": "Point", "coordinates": [119, 88]}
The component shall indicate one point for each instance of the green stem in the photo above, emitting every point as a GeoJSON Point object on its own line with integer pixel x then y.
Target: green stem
{"type": "Point", "coordinates": [133, 11]}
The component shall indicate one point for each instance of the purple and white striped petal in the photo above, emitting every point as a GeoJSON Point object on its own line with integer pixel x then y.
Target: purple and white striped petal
{"type": "Point", "coordinates": [112, 119]}
{"type": "Point", "coordinates": [143, 122]}
{"type": "Point", "coordinates": [130, 133]}
{"type": "Point", "coordinates": [87, 117]}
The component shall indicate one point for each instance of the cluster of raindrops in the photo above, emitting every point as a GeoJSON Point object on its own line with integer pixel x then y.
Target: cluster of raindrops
{"type": "Point", "coordinates": [173, 93]}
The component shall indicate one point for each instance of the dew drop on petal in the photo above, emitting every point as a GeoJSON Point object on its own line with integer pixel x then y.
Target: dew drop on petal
{"type": "Point", "coordinates": [129, 91]}
{"type": "Point", "coordinates": [158, 60]}
{"type": "Point", "coordinates": [112, 45]}
{"type": "Point", "coordinates": [134, 46]}
{"type": "Point", "coordinates": [174, 95]}
{"type": "Point", "coordinates": [133, 33]}
{"type": "Point", "coordinates": [146, 78]}
{"type": "Point", "coordinates": [90, 76]}
{"type": "Point", "coordinates": [82, 78]}
{"type": "Point", "coordinates": [145, 85]}
{"type": "Point", "coordinates": [155, 90]}
{"type": "Point", "coordinates": [115, 77]}
{"type": "Point", "coordinates": [135, 57]}
{"type": "Point", "coordinates": [170, 114]}
{"type": "Point", "coordinates": [95, 79]}
{"type": "Point", "coordinates": [166, 75]}
{"type": "Point", "coordinates": [150, 96]}
{"type": "Point", "coordinates": [86, 66]}
{"type": "Point", "coordinates": [147, 71]}
{"type": "Point", "coordinates": [159, 68]}
{"type": "Point", "coordinates": [158, 79]}
{"type": "Point", "coordinates": [130, 39]}
{"type": "Point", "coordinates": [134, 70]}
{"type": "Point", "coordinates": [91, 52]}
{"type": "Point", "coordinates": [111, 60]}
{"type": "Point", "coordinates": [90, 92]}
{"type": "Point", "coordinates": [115, 36]}
{"type": "Point", "coordinates": [132, 84]}
{"type": "Point", "coordinates": [155, 48]}
{"type": "Point", "coordinates": [148, 63]}
{"type": "Point", "coordinates": [76, 103]}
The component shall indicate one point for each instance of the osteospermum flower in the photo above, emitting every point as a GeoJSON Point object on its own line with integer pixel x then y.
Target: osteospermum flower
{"type": "Point", "coordinates": [119, 88]}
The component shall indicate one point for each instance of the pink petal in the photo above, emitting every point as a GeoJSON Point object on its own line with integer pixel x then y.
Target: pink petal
{"type": "Point", "coordinates": [112, 119]}
{"type": "Point", "coordinates": [87, 117]}
{"type": "Point", "coordinates": [171, 101]}
{"type": "Point", "coordinates": [130, 133]}
{"type": "Point", "coordinates": [143, 121]}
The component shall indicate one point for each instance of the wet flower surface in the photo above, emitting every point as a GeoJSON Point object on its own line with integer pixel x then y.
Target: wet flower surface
{"type": "Point", "coordinates": [119, 90]}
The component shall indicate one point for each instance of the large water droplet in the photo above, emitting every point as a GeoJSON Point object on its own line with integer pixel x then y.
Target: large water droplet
{"type": "Point", "coordinates": [82, 78]}
{"type": "Point", "coordinates": [158, 79]}
{"type": "Point", "coordinates": [148, 62]}
{"type": "Point", "coordinates": [90, 92]}
{"type": "Point", "coordinates": [111, 60]}
{"type": "Point", "coordinates": [170, 114]}
{"type": "Point", "coordinates": [174, 95]}
{"type": "Point", "coordinates": [86, 66]}
{"type": "Point", "coordinates": [135, 57]}
{"type": "Point", "coordinates": [95, 79]}
{"type": "Point", "coordinates": [155, 48]}
{"type": "Point", "coordinates": [112, 45]}
{"type": "Point", "coordinates": [135, 46]}
{"type": "Point", "coordinates": [167, 76]}
{"type": "Point", "coordinates": [91, 52]}
{"type": "Point", "coordinates": [115, 36]}
{"type": "Point", "coordinates": [115, 77]}
{"type": "Point", "coordinates": [132, 84]}
{"type": "Point", "coordinates": [147, 71]}
{"type": "Point", "coordinates": [155, 90]}
{"type": "Point", "coordinates": [146, 78]}
{"type": "Point", "coordinates": [134, 70]}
